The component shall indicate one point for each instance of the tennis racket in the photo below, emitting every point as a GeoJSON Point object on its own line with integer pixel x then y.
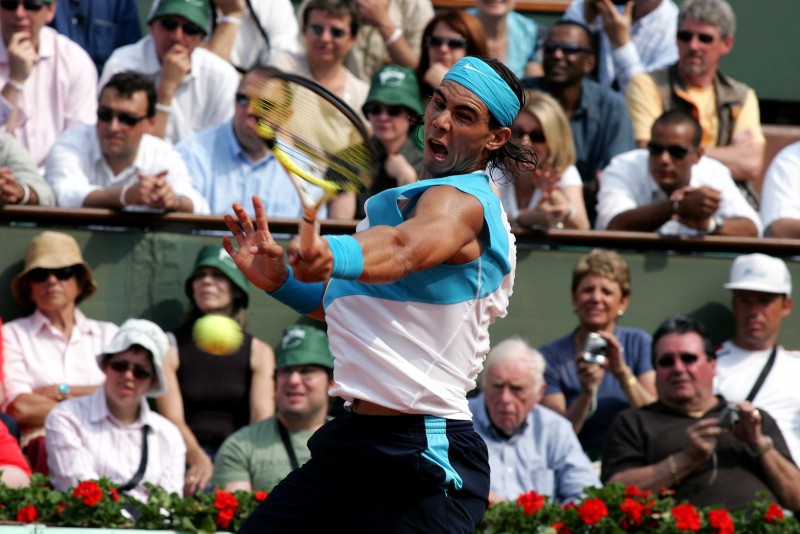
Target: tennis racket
{"type": "Point", "coordinates": [317, 138]}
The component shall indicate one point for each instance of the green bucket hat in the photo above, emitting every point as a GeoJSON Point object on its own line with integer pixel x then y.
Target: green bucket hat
{"type": "Point", "coordinates": [195, 11]}
{"type": "Point", "coordinates": [217, 257]}
{"type": "Point", "coordinates": [396, 86]}
{"type": "Point", "coordinates": [304, 345]}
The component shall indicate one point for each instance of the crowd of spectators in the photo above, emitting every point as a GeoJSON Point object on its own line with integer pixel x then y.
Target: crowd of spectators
{"type": "Point", "coordinates": [635, 129]}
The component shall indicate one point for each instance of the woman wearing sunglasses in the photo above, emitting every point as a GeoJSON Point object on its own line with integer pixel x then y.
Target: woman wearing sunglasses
{"type": "Point", "coordinates": [550, 196]}
{"type": "Point", "coordinates": [211, 396]}
{"type": "Point", "coordinates": [599, 368]}
{"type": "Point", "coordinates": [49, 355]}
{"type": "Point", "coordinates": [449, 36]}
{"type": "Point", "coordinates": [113, 433]}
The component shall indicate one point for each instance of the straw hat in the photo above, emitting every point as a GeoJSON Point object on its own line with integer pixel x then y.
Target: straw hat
{"type": "Point", "coordinates": [52, 250]}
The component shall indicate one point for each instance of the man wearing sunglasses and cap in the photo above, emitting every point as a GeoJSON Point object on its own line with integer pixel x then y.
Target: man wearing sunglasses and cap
{"type": "Point", "coordinates": [194, 87]}
{"type": "Point", "coordinates": [706, 450]}
{"type": "Point", "coordinates": [672, 188]}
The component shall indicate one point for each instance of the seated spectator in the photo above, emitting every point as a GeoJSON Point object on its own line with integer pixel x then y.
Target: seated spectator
{"type": "Point", "coordinates": [258, 456]}
{"type": "Point", "coordinates": [634, 37]}
{"type": "Point", "coordinates": [193, 85]}
{"type": "Point", "coordinates": [392, 33]}
{"type": "Point", "coordinates": [591, 391]}
{"type": "Point", "coordinates": [115, 163]}
{"type": "Point", "coordinates": [49, 356]}
{"type": "Point", "coordinates": [511, 37]}
{"type": "Point", "coordinates": [449, 36]}
{"type": "Point", "coordinates": [112, 432]}
{"type": "Point", "coordinates": [20, 181]}
{"type": "Point", "coordinates": [780, 195]}
{"type": "Point", "coordinates": [673, 188]}
{"type": "Point", "coordinates": [684, 442]}
{"type": "Point", "coordinates": [211, 396]}
{"type": "Point", "coordinates": [530, 446]}
{"type": "Point", "coordinates": [231, 162]}
{"type": "Point", "coordinates": [48, 81]}
{"type": "Point", "coordinates": [551, 195]}
{"type": "Point", "coordinates": [14, 469]}
{"type": "Point", "coordinates": [99, 26]}
{"type": "Point", "coordinates": [393, 107]}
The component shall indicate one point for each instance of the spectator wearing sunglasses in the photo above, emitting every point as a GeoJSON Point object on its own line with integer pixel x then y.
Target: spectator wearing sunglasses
{"type": "Point", "coordinates": [116, 163]}
{"type": "Point", "coordinates": [693, 442]}
{"type": "Point", "coordinates": [113, 433]}
{"type": "Point", "coordinates": [194, 86]}
{"type": "Point", "coordinates": [20, 181]}
{"type": "Point", "coordinates": [49, 355]}
{"type": "Point", "coordinates": [728, 110]}
{"type": "Point", "coordinates": [48, 81]}
{"type": "Point", "coordinates": [672, 188]}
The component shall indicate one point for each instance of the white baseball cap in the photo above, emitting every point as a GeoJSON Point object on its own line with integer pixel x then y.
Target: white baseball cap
{"type": "Point", "coordinates": [145, 334]}
{"type": "Point", "coordinates": [759, 272]}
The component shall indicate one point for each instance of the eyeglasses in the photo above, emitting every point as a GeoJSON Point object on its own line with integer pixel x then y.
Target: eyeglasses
{"type": "Point", "coordinates": [373, 108]}
{"type": "Point", "coordinates": [568, 49]}
{"type": "Point", "coordinates": [676, 151]}
{"type": "Point", "coordinates": [318, 30]}
{"type": "Point", "coordinates": [107, 115]}
{"type": "Point", "coordinates": [687, 358]}
{"type": "Point", "coordinates": [535, 136]}
{"type": "Point", "coordinates": [188, 28]}
{"type": "Point", "coordinates": [40, 275]}
{"type": "Point", "coordinates": [139, 372]}
{"type": "Point", "coordinates": [13, 5]}
{"type": "Point", "coordinates": [686, 37]}
{"type": "Point", "coordinates": [453, 43]}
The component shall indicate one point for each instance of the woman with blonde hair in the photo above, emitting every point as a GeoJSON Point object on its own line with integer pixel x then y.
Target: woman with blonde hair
{"type": "Point", "coordinates": [551, 195]}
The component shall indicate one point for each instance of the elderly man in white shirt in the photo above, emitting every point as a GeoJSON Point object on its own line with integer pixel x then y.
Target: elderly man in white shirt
{"type": "Point", "coordinates": [115, 164]}
{"type": "Point", "coordinates": [673, 189]}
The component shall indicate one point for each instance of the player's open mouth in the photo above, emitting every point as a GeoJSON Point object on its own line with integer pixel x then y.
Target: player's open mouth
{"type": "Point", "coordinates": [437, 149]}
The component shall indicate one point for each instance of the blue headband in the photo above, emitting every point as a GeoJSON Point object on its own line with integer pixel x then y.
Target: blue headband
{"type": "Point", "coordinates": [482, 80]}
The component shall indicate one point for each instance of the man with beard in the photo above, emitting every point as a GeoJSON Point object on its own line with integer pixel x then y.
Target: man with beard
{"type": "Point", "coordinates": [597, 115]}
{"type": "Point", "coordinates": [673, 188]}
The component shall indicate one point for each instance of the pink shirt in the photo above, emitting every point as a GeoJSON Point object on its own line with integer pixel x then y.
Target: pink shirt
{"type": "Point", "coordinates": [85, 442]}
{"type": "Point", "coordinates": [37, 354]}
{"type": "Point", "coordinates": [60, 92]}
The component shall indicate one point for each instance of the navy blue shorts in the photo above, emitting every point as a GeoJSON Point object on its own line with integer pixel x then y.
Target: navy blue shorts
{"type": "Point", "coordinates": [411, 473]}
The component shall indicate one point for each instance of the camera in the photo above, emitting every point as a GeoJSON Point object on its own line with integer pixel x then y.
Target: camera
{"type": "Point", "coordinates": [594, 349]}
{"type": "Point", "coordinates": [729, 416]}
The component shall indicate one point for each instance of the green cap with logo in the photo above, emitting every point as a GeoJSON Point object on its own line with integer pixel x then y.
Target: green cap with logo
{"type": "Point", "coordinates": [396, 86]}
{"type": "Point", "coordinates": [304, 345]}
{"type": "Point", "coordinates": [216, 256]}
{"type": "Point", "coordinates": [195, 11]}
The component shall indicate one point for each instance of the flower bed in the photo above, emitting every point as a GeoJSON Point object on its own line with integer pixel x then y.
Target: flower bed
{"type": "Point", "coordinates": [608, 510]}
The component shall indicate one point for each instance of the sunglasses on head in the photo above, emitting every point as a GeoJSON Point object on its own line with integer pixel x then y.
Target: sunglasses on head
{"type": "Point", "coordinates": [12, 5]}
{"type": "Point", "coordinates": [107, 115]}
{"type": "Point", "coordinates": [568, 49]}
{"type": "Point", "coordinates": [535, 136]}
{"type": "Point", "coordinates": [676, 151]}
{"type": "Point", "coordinates": [669, 360]}
{"type": "Point", "coordinates": [686, 37]}
{"type": "Point", "coordinates": [374, 108]}
{"type": "Point", "coordinates": [452, 43]}
{"type": "Point", "coordinates": [318, 29]}
{"type": "Point", "coordinates": [139, 372]}
{"type": "Point", "coordinates": [188, 28]}
{"type": "Point", "coordinates": [40, 275]}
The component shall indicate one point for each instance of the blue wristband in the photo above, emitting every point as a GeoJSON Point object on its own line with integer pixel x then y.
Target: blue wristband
{"type": "Point", "coordinates": [301, 297]}
{"type": "Point", "coordinates": [348, 258]}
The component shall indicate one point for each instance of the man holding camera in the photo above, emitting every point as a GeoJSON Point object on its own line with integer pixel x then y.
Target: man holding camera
{"type": "Point", "coordinates": [694, 442]}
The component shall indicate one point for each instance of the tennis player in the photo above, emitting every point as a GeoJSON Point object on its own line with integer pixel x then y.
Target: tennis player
{"type": "Point", "coordinates": [408, 300]}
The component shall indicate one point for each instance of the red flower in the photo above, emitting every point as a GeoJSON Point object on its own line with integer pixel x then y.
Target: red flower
{"type": "Point", "coordinates": [569, 506]}
{"type": "Point", "coordinates": [686, 517]}
{"type": "Point", "coordinates": [592, 511]}
{"type": "Point", "coordinates": [114, 494]}
{"type": "Point", "coordinates": [531, 502]}
{"type": "Point", "coordinates": [89, 492]}
{"type": "Point", "coordinates": [225, 501]}
{"type": "Point", "coordinates": [634, 511]}
{"type": "Point", "coordinates": [260, 495]}
{"type": "Point", "coordinates": [722, 521]}
{"type": "Point", "coordinates": [634, 491]}
{"type": "Point", "coordinates": [60, 507]}
{"type": "Point", "coordinates": [561, 528]}
{"type": "Point", "coordinates": [224, 517]}
{"type": "Point", "coordinates": [27, 514]}
{"type": "Point", "coordinates": [774, 514]}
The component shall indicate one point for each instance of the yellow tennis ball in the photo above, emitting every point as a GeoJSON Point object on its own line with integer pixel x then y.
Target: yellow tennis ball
{"type": "Point", "coordinates": [217, 334]}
